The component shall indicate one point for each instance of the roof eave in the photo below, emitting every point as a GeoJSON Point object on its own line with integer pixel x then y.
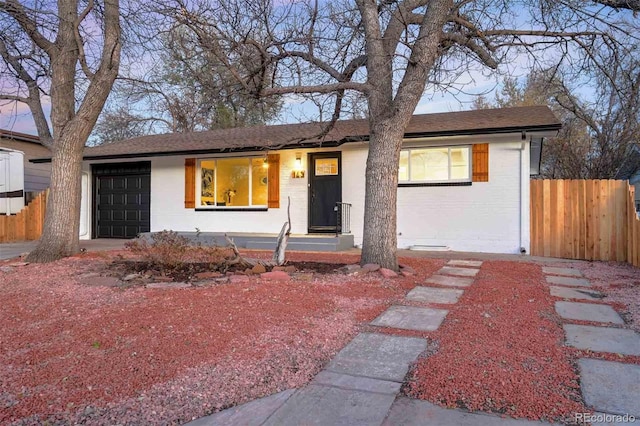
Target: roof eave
{"type": "Point", "coordinates": [329, 144]}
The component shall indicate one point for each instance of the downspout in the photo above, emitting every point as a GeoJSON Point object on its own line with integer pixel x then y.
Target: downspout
{"type": "Point", "coordinates": [524, 200]}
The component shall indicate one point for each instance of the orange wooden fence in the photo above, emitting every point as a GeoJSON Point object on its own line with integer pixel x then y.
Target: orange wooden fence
{"type": "Point", "coordinates": [26, 225]}
{"type": "Point", "coordinates": [585, 219]}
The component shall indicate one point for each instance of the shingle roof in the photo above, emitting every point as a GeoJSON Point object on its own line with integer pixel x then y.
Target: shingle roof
{"type": "Point", "coordinates": [305, 134]}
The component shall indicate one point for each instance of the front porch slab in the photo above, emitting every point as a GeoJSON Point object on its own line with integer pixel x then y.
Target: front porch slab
{"type": "Point", "coordinates": [567, 272]}
{"type": "Point", "coordinates": [603, 339]}
{"type": "Point", "coordinates": [588, 312]}
{"type": "Point", "coordinates": [610, 387]}
{"type": "Point", "coordinates": [463, 272]}
{"type": "Point", "coordinates": [378, 356]}
{"type": "Point", "coordinates": [575, 293]}
{"type": "Point", "coordinates": [434, 295]}
{"type": "Point", "coordinates": [450, 281]}
{"type": "Point", "coordinates": [570, 281]}
{"type": "Point", "coordinates": [411, 318]}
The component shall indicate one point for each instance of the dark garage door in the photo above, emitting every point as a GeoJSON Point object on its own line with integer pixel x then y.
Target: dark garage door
{"type": "Point", "coordinates": [122, 203]}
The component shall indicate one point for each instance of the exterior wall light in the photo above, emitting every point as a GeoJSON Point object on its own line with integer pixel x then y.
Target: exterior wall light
{"type": "Point", "coordinates": [298, 170]}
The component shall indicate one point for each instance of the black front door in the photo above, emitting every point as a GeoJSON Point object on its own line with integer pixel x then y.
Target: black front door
{"type": "Point", "coordinates": [122, 200]}
{"type": "Point", "coordinates": [325, 190]}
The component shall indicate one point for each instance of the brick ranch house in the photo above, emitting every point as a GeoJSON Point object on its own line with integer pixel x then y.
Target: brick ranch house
{"type": "Point", "coordinates": [463, 182]}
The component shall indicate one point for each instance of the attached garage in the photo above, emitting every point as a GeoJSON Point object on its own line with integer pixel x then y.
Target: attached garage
{"type": "Point", "coordinates": [122, 199]}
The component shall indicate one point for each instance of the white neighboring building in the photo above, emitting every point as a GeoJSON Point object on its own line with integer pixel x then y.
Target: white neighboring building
{"type": "Point", "coordinates": [11, 181]}
{"type": "Point", "coordinates": [463, 180]}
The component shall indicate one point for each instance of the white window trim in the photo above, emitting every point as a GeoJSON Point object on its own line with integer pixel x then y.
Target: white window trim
{"type": "Point", "coordinates": [449, 147]}
{"type": "Point", "coordinates": [199, 205]}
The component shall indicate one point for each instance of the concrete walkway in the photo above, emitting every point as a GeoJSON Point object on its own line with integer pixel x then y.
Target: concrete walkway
{"type": "Point", "coordinates": [361, 385]}
{"type": "Point", "coordinates": [11, 250]}
{"type": "Point", "coordinates": [610, 388]}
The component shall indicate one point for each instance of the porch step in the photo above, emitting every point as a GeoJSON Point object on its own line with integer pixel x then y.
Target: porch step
{"type": "Point", "coordinates": [300, 245]}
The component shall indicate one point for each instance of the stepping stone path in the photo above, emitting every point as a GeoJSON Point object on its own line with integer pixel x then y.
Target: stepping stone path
{"type": "Point", "coordinates": [607, 387]}
{"type": "Point", "coordinates": [571, 293]}
{"type": "Point", "coordinates": [411, 318]}
{"type": "Point", "coordinates": [434, 295]}
{"type": "Point", "coordinates": [570, 281]}
{"type": "Point", "coordinates": [588, 312]}
{"type": "Point", "coordinates": [450, 281]}
{"type": "Point", "coordinates": [603, 339]}
{"type": "Point", "coordinates": [360, 384]}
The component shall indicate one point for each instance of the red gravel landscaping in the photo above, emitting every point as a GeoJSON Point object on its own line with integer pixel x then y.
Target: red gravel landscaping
{"type": "Point", "coordinates": [71, 352]}
{"type": "Point", "coordinates": [501, 348]}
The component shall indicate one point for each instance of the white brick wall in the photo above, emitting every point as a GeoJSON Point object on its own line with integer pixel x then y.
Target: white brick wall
{"type": "Point", "coordinates": [483, 217]}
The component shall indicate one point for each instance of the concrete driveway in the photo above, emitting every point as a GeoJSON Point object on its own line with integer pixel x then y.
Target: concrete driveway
{"type": "Point", "coordinates": [10, 250]}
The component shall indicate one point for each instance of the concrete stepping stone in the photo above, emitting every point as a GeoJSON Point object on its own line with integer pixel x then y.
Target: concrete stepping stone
{"type": "Point", "coordinates": [346, 381]}
{"type": "Point", "coordinates": [570, 281]}
{"type": "Point", "coordinates": [571, 293]}
{"type": "Point", "coordinates": [252, 413]}
{"type": "Point", "coordinates": [610, 387]}
{"type": "Point", "coordinates": [434, 295]}
{"type": "Point", "coordinates": [411, 318]}
{"type": "Point", "coordinates": [603, 339]}
{"type": "Point", "coordinates": [450, 281]}
{"type": "Point", "coordinates": [568, 272]}
{"type": "Point", "coordinates": [328, 405]}
{"type": "Point", "coordinates": [378, 356]}
{"type": "Point", "coordinates": [588, 312]}
{"type": "Point", "coordinates": [415, 412]}
{"type": "Point", "coordinates": [469, 263]}
{"type": "Point", "coordinates": [462, 272]}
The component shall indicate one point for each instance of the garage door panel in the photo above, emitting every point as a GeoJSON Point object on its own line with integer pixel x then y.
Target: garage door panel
{"type": "Point", "coordinates": [122, 200]}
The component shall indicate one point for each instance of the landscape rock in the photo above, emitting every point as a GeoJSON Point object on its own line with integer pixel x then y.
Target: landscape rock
{"type": "Point", "coordinates": [248, 271]}
{"type": "Point", "coordinates": [207, 275]}
{"type": "Point", "coordinates": [350, 269]}
{"type": "Point", "coordinates": [370, 267]}
{"type": "Point", "coordinates": [277, 268]}
{"type": "Point", "coordinates": [259, 269]}
{"type": "Point", "coordinates": [406, 274]}
{"type": "Point", "coordinates": [19, 264]}
{"type": "Point", "coordinates": [101, 281]}
{"type": "Point", "coordinates": [275, 276]}
{"type": "Point", "coordinates": [407, 269]}
{"type": "Point", "coordinates": [131, 277]}
{"type": "Point", "coordinates": [290, 269]}
{"type": "Point", "coordinates": [303, 276]}
{"type": "Point", "coordinates": [168, 285]}
{"type": "Point", "coordinates": [388, 273]}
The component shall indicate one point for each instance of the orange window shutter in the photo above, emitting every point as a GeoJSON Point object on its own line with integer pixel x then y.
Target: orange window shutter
{"type": "Point", "coordinates": [189, 183]}
{"type": "Point", "coordinates": [480, 165]}
{"type": "Point", "coordinates": [274, 180]}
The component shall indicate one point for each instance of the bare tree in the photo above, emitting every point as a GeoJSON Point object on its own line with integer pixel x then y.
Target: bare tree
{"type": "Point", "coordinates": [392, 51]}
{"type": "Point", "coordinates": [50, 51]}
{"type": "Point", "coordinates": [600, 115]}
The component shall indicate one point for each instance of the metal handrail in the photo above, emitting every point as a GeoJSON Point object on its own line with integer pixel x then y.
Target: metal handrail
{"type": "Point", "coordinates": [343, 218]}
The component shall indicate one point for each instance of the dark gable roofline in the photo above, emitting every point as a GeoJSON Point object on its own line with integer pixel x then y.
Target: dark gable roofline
{"type": "Point", "coordinates": [299, 136]}
{"type": "Point", "coordinates": [20, 137]}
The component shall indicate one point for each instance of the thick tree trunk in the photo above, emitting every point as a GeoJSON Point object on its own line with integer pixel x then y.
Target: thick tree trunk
{"type": "Point", "coordinates": [62, 221]}
{"type": "Point", "coordinates": [380, 241]}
